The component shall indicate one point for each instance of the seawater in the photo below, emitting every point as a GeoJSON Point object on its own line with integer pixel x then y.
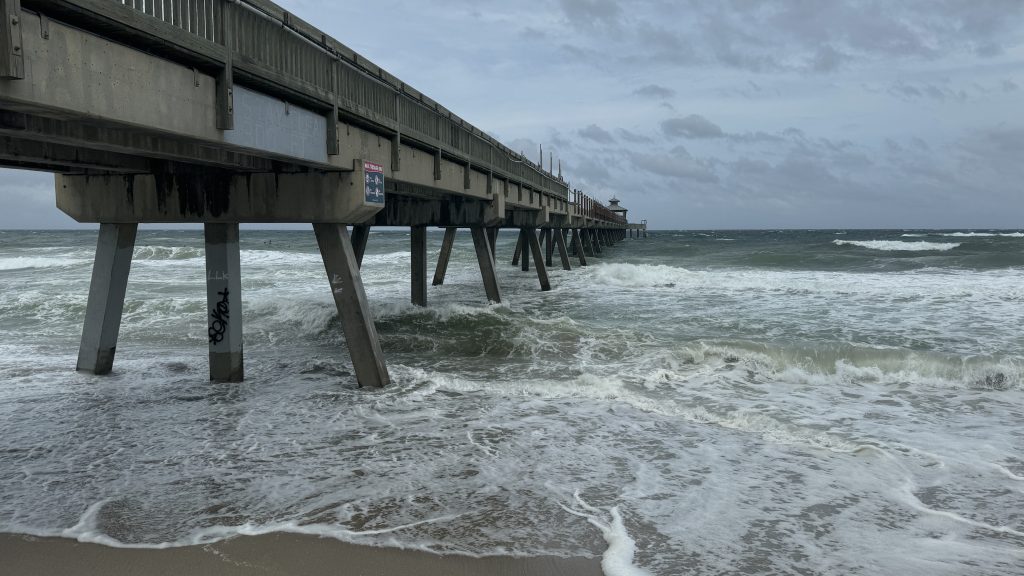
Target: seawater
{"type": "Point", "coordinates": [822, 402]}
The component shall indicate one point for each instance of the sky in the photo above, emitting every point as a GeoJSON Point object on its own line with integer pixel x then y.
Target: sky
{"type": "Point", "coordinates": [701, 114]}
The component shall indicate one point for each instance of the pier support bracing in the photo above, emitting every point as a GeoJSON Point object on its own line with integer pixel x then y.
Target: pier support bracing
{"type": "Point", "coordinates": [577, 243]}
{"type": "Point", "coordinates": [525, 253]}
{"type": "Point", "coordinates": [563, 254]}
{"type": "Point", "coordinates": [106, 297]}
{"type": "Point", "coordinates": [444, 256]}
{"type": "Point", "coordinates": [485, 256]}
{"type": "Point", "coordinates": [350, 298]}
{"type": "Point", "coordinates": [538, 258]}
{"type": "Point", "coordinates": [360, 236]}
{"type": "Point", "coordinates": [224, 302]}
{"type": "Point", "coordinates": [519, 249]}
{"type": "Point", "coordinates": [418, 240]}
{"type": "Point", "coordinates": [492, 238]}
{"type": "Point", "coordinates": [549, 247]}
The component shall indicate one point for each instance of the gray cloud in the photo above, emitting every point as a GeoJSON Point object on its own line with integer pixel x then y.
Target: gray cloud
{"type": "Point", "coordinates": [676, 163]}
{"type": "Point", "coordinates": [654, 91]}
{"type": "Point", "coordinates": [693, 126]}
{"type": "Point", "coordinates": [597, 134]}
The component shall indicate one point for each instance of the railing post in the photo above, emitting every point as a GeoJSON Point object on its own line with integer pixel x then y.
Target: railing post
{"type": "Point", "coordinates": [12, 61]}
{"type": "Point", "coordinates": [225, 78]}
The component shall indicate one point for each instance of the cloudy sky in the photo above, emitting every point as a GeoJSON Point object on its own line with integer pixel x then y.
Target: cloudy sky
{"type": "Point", "coordinates": [719, 113]}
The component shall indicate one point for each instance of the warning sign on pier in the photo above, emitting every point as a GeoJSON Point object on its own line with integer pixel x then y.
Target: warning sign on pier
{"type": "Point", "coordinates": [374, 189]}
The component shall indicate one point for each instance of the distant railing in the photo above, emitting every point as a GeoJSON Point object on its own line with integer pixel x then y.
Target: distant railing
{"type": "Point", "coordinates": [269, 42]}
{"type": "Point", "coordinates": [583, 205]}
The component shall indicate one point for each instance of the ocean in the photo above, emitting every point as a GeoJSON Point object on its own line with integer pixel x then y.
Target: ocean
{"type": "Point", "coordinates": [727, 402]}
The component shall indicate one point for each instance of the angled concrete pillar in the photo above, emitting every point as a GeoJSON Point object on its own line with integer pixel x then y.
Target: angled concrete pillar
{"type": "Point", "coordinates": [563, 254]}
{"type": "Point", "coordinates": [492, 238]}
{"type": "Point", "coordinates": [524, 239]}
{"type": "Point", "coordinates": [106, 297]}
{"type": "Point", "coordinates": [418, 245]}
{"type": "Point", "coordinates": [350, 298]}
{"type": "Point", "coordinates": [577, 243]}
{"type": "Point", "coordinates": [224, 302]}
{"type": "Point", "coordinates": [519, 249]}
{"type": "Point", "coordinates": [360, 236]}
{"type": "Point", "coordinates": [538, 258]}
{"type": "Point", "coordinates": [485, 257]}
{"type": "Point", "coordinates": [595, 242]}
{"type": "Point", "coordinates": [444, 256]}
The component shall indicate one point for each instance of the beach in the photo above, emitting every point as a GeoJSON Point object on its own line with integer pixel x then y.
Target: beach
{"type": "Point", "coordinates": [270, 555]}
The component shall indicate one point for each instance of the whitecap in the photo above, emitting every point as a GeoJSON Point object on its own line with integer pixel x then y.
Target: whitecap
{"type": "Point", "coordinates": [898, 246]}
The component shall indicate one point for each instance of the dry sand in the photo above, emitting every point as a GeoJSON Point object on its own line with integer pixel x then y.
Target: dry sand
{"type": "Point", "coordinates": [271, 554]}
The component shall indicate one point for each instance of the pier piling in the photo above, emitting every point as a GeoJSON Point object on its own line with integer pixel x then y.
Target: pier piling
{"type": "Point", "coordinates": [485, 257]}
{"type": "Point", "coordinates": [538, 258]}
{"type": "Point", "coordinates": [350, 298]}
{"type": "Point", "coordinates": [445, 255]}
{"type": "Point", "coordinates": [106, 297]}
{"type": "Point", "coordinates": [224, 302]}
{"type": "Point", "coordinates": [418, 246]}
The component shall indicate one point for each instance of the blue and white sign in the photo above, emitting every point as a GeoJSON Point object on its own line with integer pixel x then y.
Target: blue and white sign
{"type": "Point", "coordinates": [374, 187]}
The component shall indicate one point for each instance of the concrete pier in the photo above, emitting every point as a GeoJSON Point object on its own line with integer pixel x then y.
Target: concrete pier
{"type": "Point", "coordinates": [527, 246]}
{"type": "Point", "coordinates": [224, 302]}
{"type": "Point", "coordinates": [350, 298]}
{"type": "Point", "coordinates": [106, 297]}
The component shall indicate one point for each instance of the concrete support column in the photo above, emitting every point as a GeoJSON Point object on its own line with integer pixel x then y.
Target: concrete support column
{"type": "Point", "coordinates": [444, 256]}
{"type": "Point", "coordinates": [549, 247]}
{"type": "Point", "coordinates": [538, 258]}
{"type": "Point", "coordinates": [563, 254]}
{"type": "Point", "coordinates": [519, 249]}
{"type": "Point", "coordinates": [106, 297]}
{"type": "Point", "coordinates": [418, 245]}
{"type": "Point", "coordinates": [595, 242]}
{"type": "Point", "coordinates": [492, 239]}
{"type": "Point", "coordinates": [577, 244]}
{"type": "Point", "coordinates": [485, 257]}
{"type": "Point", "coordinates": [350, 298]}
{"type": "Point", "coordinates": [524, 239]}
{"type": "Point", "coordinates": [360, 236]}
{"type": "Point", "coordinates": [224, 302]}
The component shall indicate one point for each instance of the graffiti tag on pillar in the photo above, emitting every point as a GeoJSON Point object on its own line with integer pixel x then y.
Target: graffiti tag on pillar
{"type": "Point", "coordinates": [220, 315]}
{"type": "Point", "coordinates": [336, 282]}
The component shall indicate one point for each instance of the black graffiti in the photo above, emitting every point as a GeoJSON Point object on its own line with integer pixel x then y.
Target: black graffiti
{"type": "Point", "coordinates": [220, 315]}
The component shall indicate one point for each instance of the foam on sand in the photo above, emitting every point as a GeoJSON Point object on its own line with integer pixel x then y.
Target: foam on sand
{"type": "Point", "coordinates": [618, 557]}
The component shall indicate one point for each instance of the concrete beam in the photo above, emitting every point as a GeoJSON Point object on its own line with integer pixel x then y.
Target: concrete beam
{"type": "Point", "coordinates": [114, 248]}
{"type": "Point", "coordinates": [207, 195]}
{"type": "Point", "coordinates": [224, 302]}
{"type": "Point", "coordinates": [350, 298]}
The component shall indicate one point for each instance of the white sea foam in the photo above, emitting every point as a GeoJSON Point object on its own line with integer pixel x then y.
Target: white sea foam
{"type": "Point", "coordinates": [617, 559]}
{"type": "Point", "coordinates": [896, 245]}
{"type": "Point", "coordinates": [26, 262]}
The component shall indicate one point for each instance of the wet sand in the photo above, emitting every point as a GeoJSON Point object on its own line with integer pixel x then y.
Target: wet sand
{"type": "Point", "coordinates": [269, 555]}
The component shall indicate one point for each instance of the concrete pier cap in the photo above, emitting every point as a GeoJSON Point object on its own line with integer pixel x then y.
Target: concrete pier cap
{"type": "Point", "coordinates": [197, 194]}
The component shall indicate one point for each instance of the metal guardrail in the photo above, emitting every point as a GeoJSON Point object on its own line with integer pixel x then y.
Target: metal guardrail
{"type": "Point", "coordinates": [285, 51]}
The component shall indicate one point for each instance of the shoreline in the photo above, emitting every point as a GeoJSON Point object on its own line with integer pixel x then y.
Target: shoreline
{"type": "Point", "coordinates": [275, 554]}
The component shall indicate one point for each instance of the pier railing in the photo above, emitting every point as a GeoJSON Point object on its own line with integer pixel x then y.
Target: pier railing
{"type": "Point", "coordinates": [273, 50]}
{"type": "Point", "coordinates": [588, 207]}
